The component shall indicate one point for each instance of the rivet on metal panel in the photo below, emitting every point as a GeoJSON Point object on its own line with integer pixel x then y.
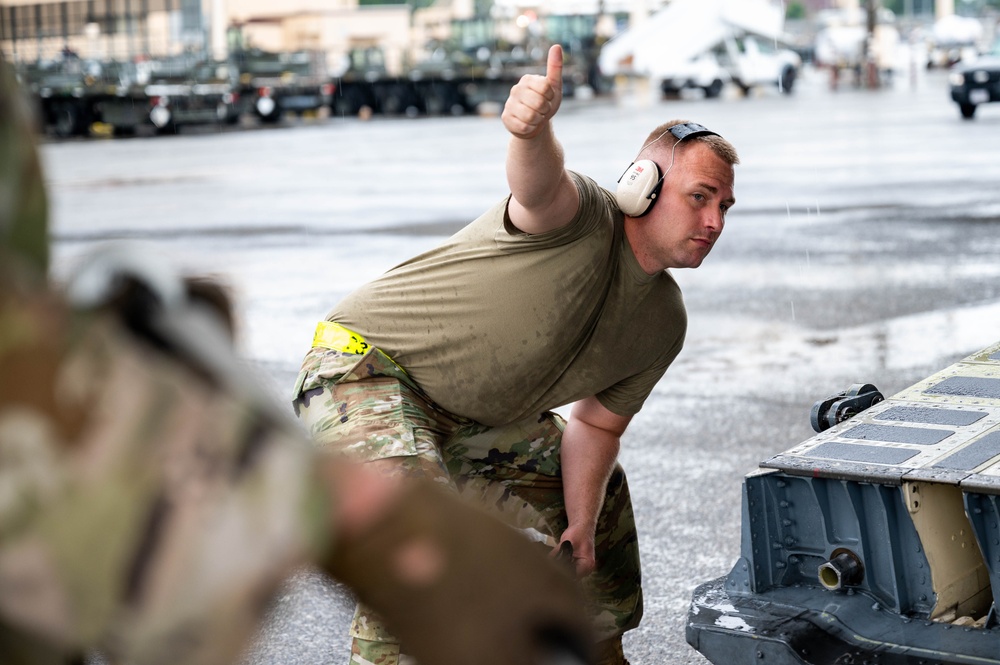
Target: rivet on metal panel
{"type": "Point", "coordinates": [911, 492]}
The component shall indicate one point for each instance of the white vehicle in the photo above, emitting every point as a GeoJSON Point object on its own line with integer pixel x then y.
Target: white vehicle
{"type": "Point", "coordinates": [756, 62]}
{"type": "Point", "coordinates": [702, 72]}
{"type": "Point", "coordinates": [842, 42]}
{"type": "Point", "coordinates": [705, 44]}
{"type": "Point", "coordinates": [746, 60]}
{"type": "Point", "coordinates": [955, 39]}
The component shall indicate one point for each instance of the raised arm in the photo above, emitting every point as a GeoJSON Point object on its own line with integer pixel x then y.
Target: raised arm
{"type": "Point", "coordinates": [544, 196]}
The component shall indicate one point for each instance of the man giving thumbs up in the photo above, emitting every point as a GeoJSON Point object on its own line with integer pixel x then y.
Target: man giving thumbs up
{"type": "Point", "coordinates": [449, 365]}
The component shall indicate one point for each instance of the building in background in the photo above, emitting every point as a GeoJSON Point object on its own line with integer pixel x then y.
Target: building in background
{"type": "Point", "coordinates": [99, 29]}
{"type": "Point", "coordinates": [120, 30]}
{"type": "Point", "coordinates": [129, 29]}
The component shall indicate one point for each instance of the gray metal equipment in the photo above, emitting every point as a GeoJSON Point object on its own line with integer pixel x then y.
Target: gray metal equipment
{"type": "Point", "coordinates": [875, 541]}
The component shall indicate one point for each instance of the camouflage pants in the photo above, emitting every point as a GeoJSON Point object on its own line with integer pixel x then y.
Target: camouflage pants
{"type": "Point", "coordinates": [367, 407]}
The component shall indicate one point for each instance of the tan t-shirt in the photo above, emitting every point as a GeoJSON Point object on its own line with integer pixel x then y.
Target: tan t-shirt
{"type": "Point", "coordinates": [498, 325]}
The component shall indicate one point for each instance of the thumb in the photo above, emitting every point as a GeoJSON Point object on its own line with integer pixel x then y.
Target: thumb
{"type": "Point", "coordinates": [554, 67]}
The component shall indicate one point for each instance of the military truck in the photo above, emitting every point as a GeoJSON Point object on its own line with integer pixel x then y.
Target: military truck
{"type": "Point", "coordinates": [168, 93]}
{"type": "Point", "coordinates": [66, 90]}
{"type": "Point", "coordinates": [875, 541]}
{"type": "Point", "coordinates": [448, 82]}
{"type": "Point", "coordinates": [274, 83]}
{"type": "Point", "coordinates": [472, 70]}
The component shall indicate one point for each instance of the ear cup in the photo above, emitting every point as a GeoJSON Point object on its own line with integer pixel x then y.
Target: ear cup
{"type": "Point", "coordinates": [638, 188]}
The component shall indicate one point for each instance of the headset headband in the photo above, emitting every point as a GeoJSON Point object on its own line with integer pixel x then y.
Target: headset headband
{"type": "Point", "coordinates": [687, 129]}
{"type": "Point", "coordinates": [681, 132]}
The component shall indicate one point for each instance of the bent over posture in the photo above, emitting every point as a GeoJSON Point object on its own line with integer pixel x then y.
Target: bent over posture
{"type": "Point", "coordinates": [448, 365]}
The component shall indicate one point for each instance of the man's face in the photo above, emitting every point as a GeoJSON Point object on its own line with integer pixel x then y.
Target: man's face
{"type": "Point", "coordinates": [689, 215]}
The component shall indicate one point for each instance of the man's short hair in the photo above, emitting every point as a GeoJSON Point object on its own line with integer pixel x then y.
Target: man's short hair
{"type": "Point", "coordinates": [661, 137]}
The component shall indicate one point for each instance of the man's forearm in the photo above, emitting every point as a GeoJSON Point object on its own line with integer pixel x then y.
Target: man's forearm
{"type": "Point", "coordinates": [535, 168]}
{"type": "Point", "coordinates": [588, 458]}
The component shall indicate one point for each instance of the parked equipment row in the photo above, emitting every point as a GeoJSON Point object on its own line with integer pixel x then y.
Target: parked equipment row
{"type": "Point", "coordinates": [72, 94]}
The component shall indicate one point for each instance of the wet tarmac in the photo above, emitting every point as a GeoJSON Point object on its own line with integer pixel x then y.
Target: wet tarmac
{"type": "Point", "coordinates": [862, 249]}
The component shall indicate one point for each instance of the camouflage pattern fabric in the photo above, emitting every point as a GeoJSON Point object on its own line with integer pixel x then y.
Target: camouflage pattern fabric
{"type": "Point", "coordinates": [144, 511]}
{"type": "Point", "coordinates": [24, 242]}
{"type": "Point", "coordinates": [367, 408]}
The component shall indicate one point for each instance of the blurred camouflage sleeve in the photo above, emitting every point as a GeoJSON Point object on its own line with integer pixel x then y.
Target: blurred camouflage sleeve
{"type": "Point", "coordinates": [23, 205]}
{"type": "Point", "coordinates": [144, 511]}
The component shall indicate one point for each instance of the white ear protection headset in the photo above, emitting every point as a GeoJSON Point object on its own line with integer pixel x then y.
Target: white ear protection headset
{"type": "Point", "coordinates": [640, 185]}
